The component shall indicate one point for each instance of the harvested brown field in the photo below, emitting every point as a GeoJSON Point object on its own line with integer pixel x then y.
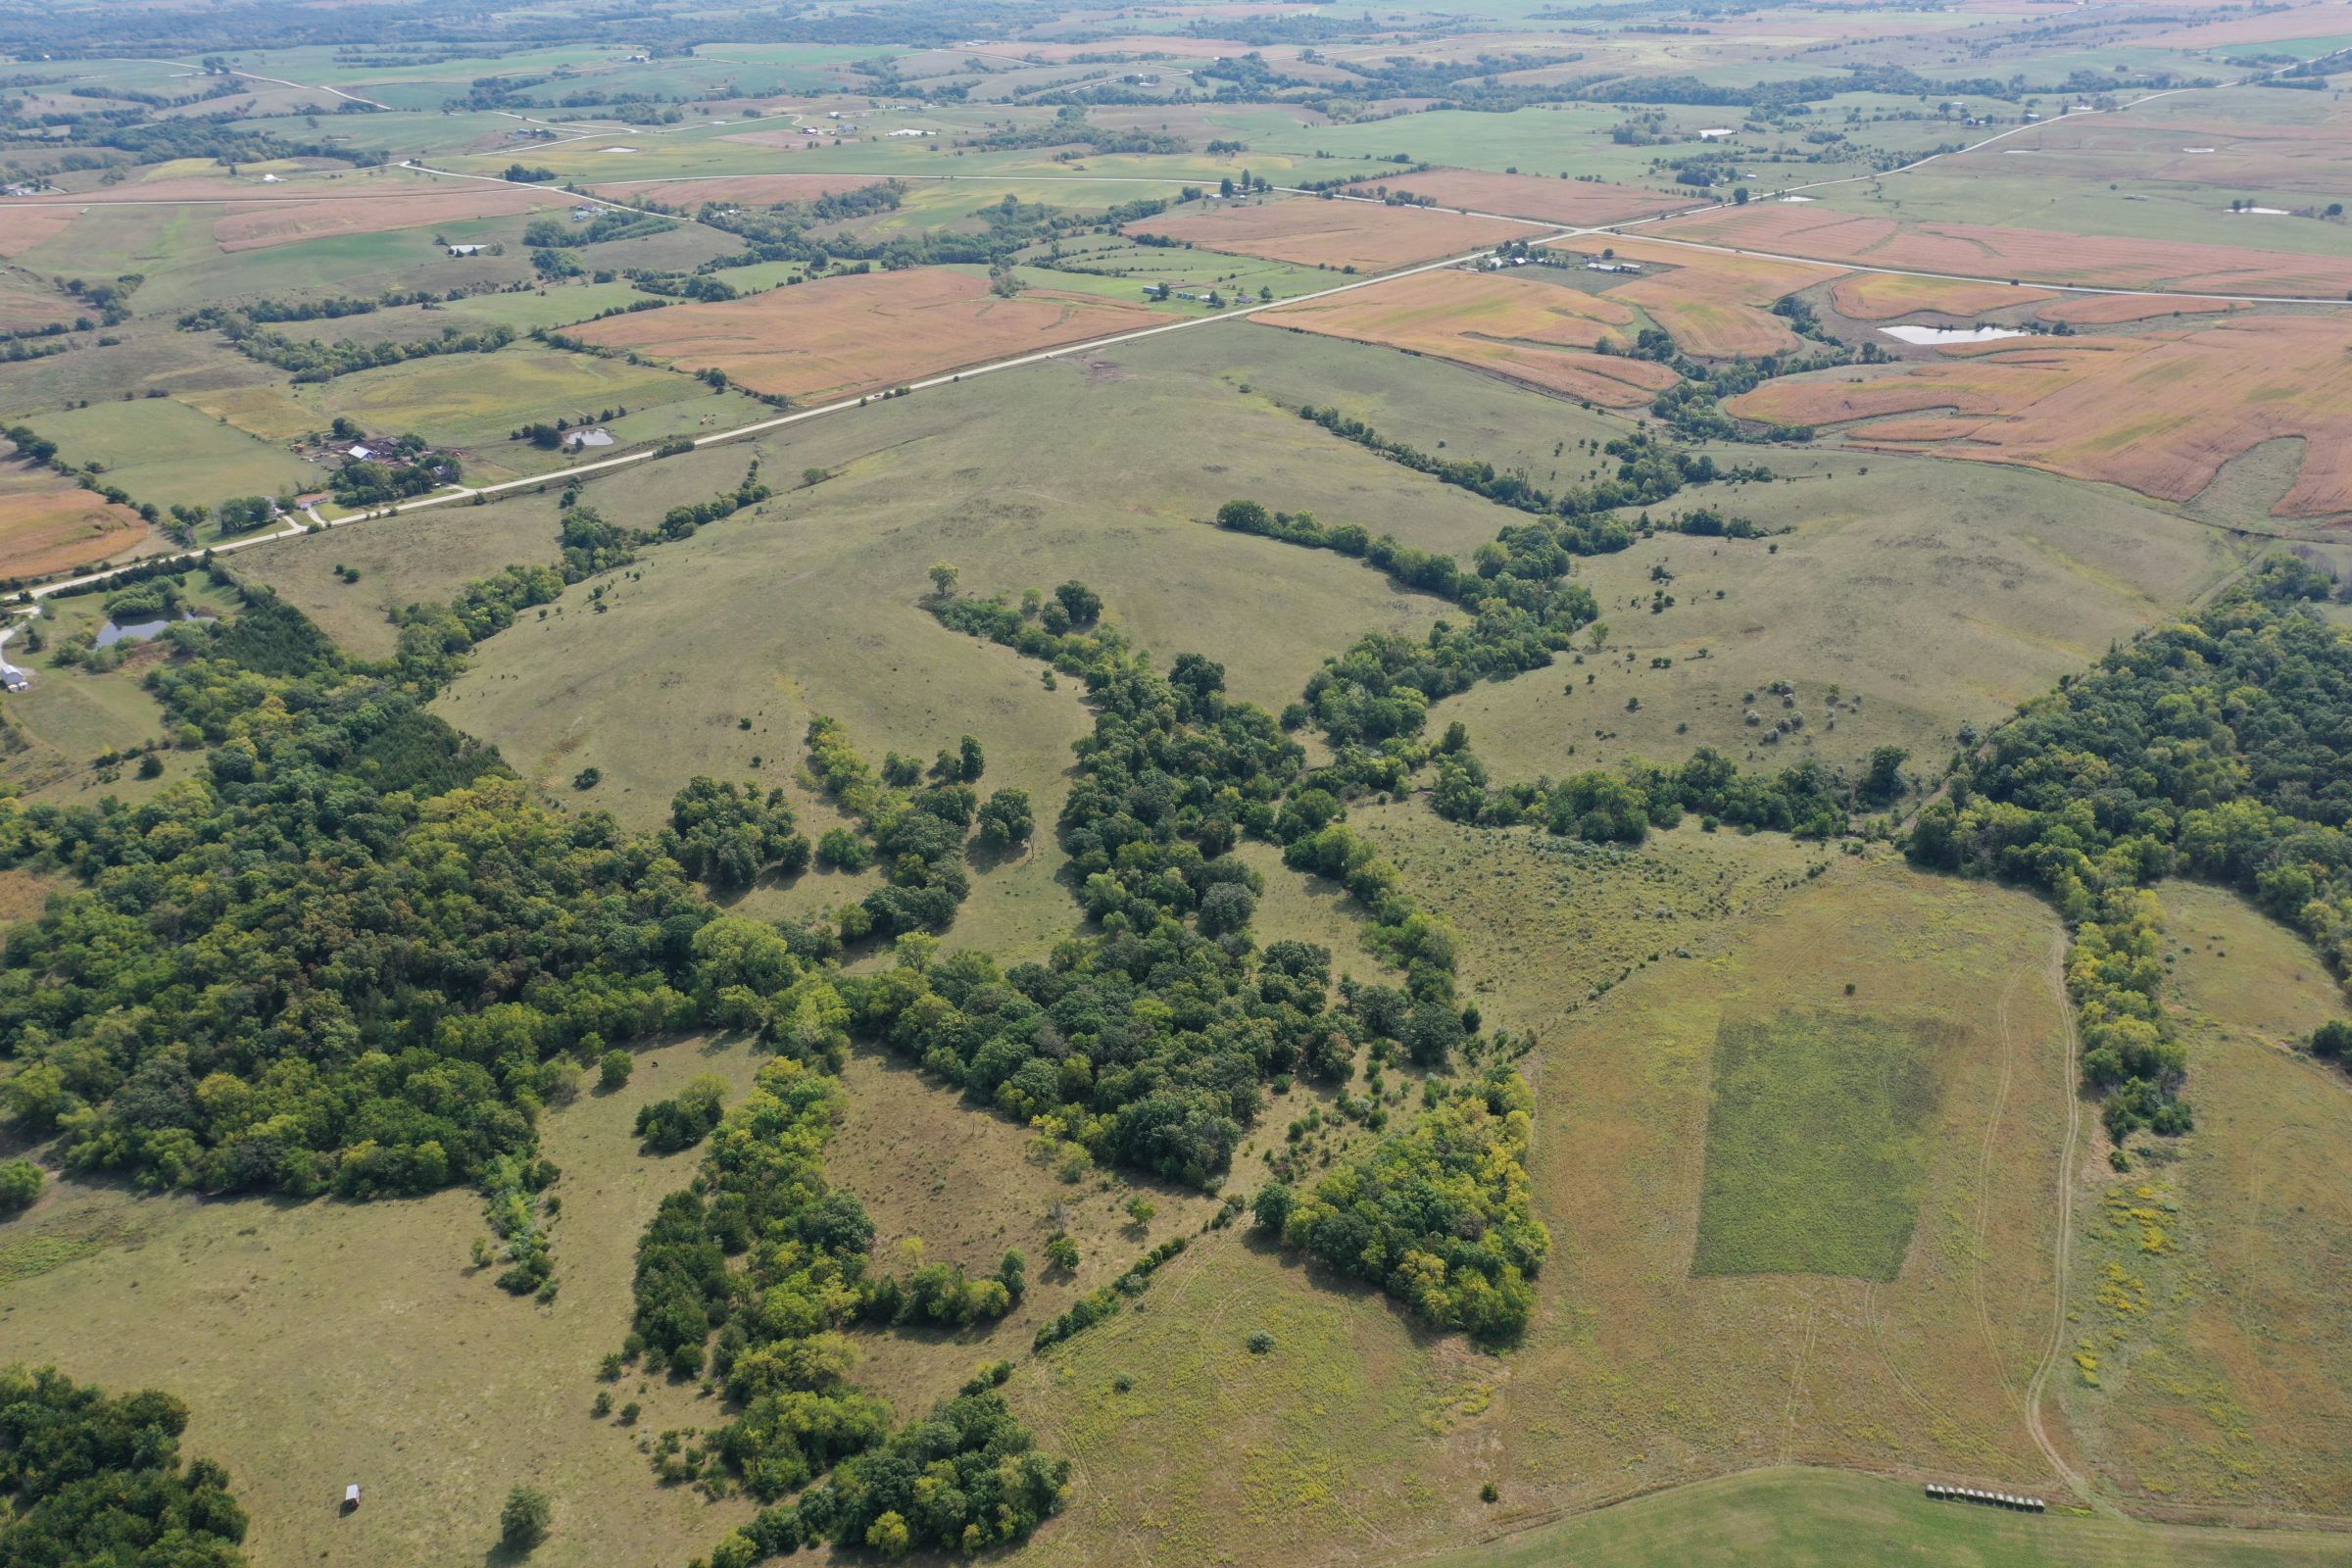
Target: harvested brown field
{"type": "Point", "coordinates": [24, 226]}
{"type": "Point", "coordinates": [1554, 200]}
{"type": "Point", "coordinates": [2316, 21]}
{"type": "Point", "coordinates": [846, 335]}
{"type": "Point", "coordinates": [2160, 413]}
{"type": "Point", "coordinates": [1711, 305]}
{"type": "Point", "coordinates": [2102, 309]}
{"type": "Point", "coordinates": [255, 225]}
{"type": "Point", "coordinates": [1520, 329]}
{"type": "Point", "coordinates": [29, 303]}
{"type": "Point", "coordinates": [1983, 250]}
{"type": "Point", "coordinates": [1307, 232]}
{"type": "Point", "coordinates": [1883, 296]}
{"type": "Point", "coordinates": [47, 526]}
{"type": "Point", "coordinates": [748, 190]}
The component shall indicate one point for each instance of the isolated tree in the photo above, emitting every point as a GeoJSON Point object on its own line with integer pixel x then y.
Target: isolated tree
{"type": "Point", "coordinates": [943, 577]}
{"type": "Point", "coordinates": [970, 759]}
{"type": "Point", "coordinates": [614, 1070]}
{"type": "Point", "coordinates": [523, 1522]}
{"type": "Point", "coordinates": [1883, 781]}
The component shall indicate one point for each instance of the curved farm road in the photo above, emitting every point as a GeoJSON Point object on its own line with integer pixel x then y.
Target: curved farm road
{"type": "Point", "coordinates": [2062, 1248]}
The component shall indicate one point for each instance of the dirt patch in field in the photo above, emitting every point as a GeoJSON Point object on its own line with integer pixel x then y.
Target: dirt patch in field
{"type": "Point", "coordinates": [2100, 310]}
{"type": "Point", "coordinates": [1554, 200]}
{"type": "Point", "coordinates": [1983, 250]}
{"type": "Point", "coordinates": [747, 191]}
{"type": "Point", "coordinates": [2160, 413]}
{"type": "Point", "coordinates": [1883, 296]}
{"type": "Point", "coordinates": [1520, 329]}
{"type": "Point", "coordinates": [49, 531]}
{"type": "Point", "coordinates": [255, 225]}
{"type": "Point", "coordinates": [853, 334]}
{"type": "Point", "coordinates": [1712, 306]}
{"type": "Point", "coordinates": [1308, 232]}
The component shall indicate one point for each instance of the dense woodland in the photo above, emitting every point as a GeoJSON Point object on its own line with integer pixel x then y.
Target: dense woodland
{"type": "Point", "coordinates": [2216, 746]}
{"type": "Point", "coordinates": [93, 1481]}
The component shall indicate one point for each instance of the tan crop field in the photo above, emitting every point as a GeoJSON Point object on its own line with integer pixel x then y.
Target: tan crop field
{"type": "Point", "coordinates": [868, 332]}
{"type": "Point", "coordinates": [2106, 310]}
{"type": "Point", "coordinates": [1983, 250]}
{"type": "Point", "coordinates": [1712, 305]}
{"type": "Point", "coordinates": [1521, 328]}
{"type": "Point", "coordinates": [48, 524]}
{"type": "Point", "coordinates": [1573, 202]}
{"type": "Point", "coordinates": [1883, 296]}
{"type": "Point", "coordinates": [256, 226]}
{"type": "Point", "coordinates": [1337, 235]}
{"type": "Point", "coordinates": [2160, 413]}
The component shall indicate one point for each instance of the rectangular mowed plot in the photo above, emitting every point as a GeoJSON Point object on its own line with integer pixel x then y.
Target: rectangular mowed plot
{"type": "Point", "coordinates": [1341, 235]}
{"type": "Point", "coordinates": [1817, 1145]}
{"type": "Point", "coordinates": [863, 333]}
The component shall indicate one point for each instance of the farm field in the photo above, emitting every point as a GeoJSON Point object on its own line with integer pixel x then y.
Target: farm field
{"type": "Point", "coordinates": [474, 402]}
{"type": "Point", "coordinates": [1714, 306]}
{"type": "Point", "coordinates": [846, 336]}
{"type": "Point", "coordinates": [2159, 414]}
{"type": "Point", "coordinates": [1990, 251]}
{"type": "Point", "coordinates": [165, 452]}
{"type": "Point", "coordinates": [1343, 236]}
{"type": "Point", "coordinates": [1206, 786]}
{"type": "Point", "coordinates": [1521, 328]}
{"type": "Point", "coordinates": [48, 524]}
{"type": "Point", "coordinates": [1550, 201]}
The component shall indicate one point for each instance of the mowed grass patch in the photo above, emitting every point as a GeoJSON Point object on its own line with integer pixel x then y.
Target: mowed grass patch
{"type": "Point", "coordinates": [163, 451]}
{"type": "Point", "coordinates": [1638, 1373]}
{"type": "Point", "coordinates": [412, 1373]}
{"type": "Point", "coordinates": [1795, 1517]}
{"type": "Point", "coordinates": [2211, 1338]}
{"type": "Point", "coordinates": [1816, 1146]}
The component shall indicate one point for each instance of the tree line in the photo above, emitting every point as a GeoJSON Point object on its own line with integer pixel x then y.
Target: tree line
{"type": "Point", "coordinates": [2218, 746]}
